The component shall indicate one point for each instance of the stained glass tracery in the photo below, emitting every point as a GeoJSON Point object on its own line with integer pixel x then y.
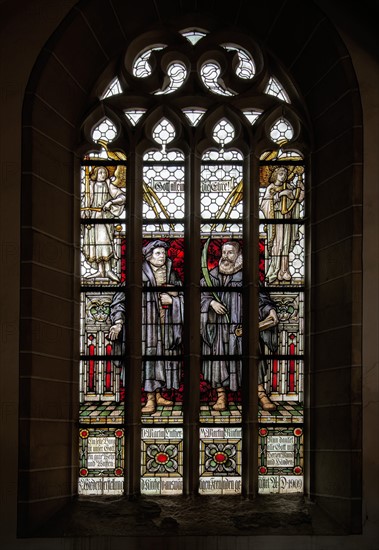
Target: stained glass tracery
{"type": "Point", "coordinates": [211, 77]}
{"type": "Point", "coordinates": [134, 115]}
{"type": "Point", "coordinates": [164, 132]}
{"type": "Point", "coordinates": [223, 132]}
{"type": "Point", "coordinates": [252, 115]}
{"type": "Point", "coordinates": [246, 67]}
{"type": "Point", "coordinates": [281, 132]}
{"type": "Point", "coordinates": [194, 36]}
{"type": "Point", "coordinates": [113, 88]}
{"type": "Point", "coordinates": [177, 73]}
{"type": "Point", "coordinates": [275, 89]}
{"type": "Point", "coordinates": [194, 115]}
{"type": "Point", "coordinates": [141, 66]}
{"type": "Point", "coordinates": [105, 131]}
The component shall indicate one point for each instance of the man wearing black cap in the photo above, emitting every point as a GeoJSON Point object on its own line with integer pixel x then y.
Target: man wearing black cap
{"type": "Point", "coordinates": [162, 323]}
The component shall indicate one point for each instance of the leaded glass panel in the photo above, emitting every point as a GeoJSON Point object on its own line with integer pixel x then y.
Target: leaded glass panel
{"type": "Point", "coordinates": [252, 115]}
{"type": "Point", "coordinates": [221, 204]}
{"type": "Point", "coordinates": [275, 89]}
{"type": "Point", "coordinates": [141, 66]}
{"type": "Point", "coordinates": [106, 131]}
{"type": "Point", "coordinates": [134, 115]}
{"type": "Point", "coordinates": [221, 186]}
{"type": "Point", "coordinates": [101, 461]}
{"type": "Point", "coordinates": [282, 275]}
{"type": "Point", "coordinates": [177, 73]}
{"type": "Point", "coordinates": [282, 195]}
{"type": "Point", "coordinates": [281, 459]}
{"type": "Point", "coordinates": [245, 68]}
{"type": "Point", "coordinates": [211, 76]}
{"type": "Point", "coordinates": [281, 131]}
{"type": "Point", "coordinates": [162, 461]}
{"type": "Point", "coordinates": [220, 461]}
{"type": "Point", "coordinates": [194, 115]}
{"type": "Point", "coordinates": [102, 345]}
{"type": "Point", "coordinates": [163, 185]}
{"type": "Point", "coordinates": [162, 316]}
{"type": "Point", "coordinates": [194, 36]}
{"type": "Point", "coordinates": [162, 328]}
{"type": "Point", "coordinates": [113, 88]}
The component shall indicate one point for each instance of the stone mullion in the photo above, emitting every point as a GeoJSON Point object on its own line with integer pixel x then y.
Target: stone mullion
{"type": "Point", "coordinates": [192, 327]}
{"type": "Point", "coordinates": [250, 329]}
{"type": "Point", "coordinates": [133, 325]}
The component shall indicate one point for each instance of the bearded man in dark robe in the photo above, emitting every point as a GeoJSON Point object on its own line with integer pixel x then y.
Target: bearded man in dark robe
{"type": "Point", "coordinates": [221, 328]}
{"type": "Point", "coordinates": [162, 325]}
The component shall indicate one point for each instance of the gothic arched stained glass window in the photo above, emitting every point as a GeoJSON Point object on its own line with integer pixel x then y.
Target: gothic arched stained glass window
{"type": "Point", "coordinates": [192, 272]}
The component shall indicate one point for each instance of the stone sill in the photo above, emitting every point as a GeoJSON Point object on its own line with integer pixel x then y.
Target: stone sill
{"type": "Point", "coordinates": [189, 516]}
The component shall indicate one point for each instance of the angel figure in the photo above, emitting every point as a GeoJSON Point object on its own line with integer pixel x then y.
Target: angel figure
{"type": "Point", "coordinates": [105, 199]}
{"type": "Point", "coordinates": [282, 200]}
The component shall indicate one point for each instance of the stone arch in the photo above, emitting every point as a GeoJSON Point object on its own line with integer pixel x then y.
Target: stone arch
{"type": "Point", "coordinates": [59, 93]}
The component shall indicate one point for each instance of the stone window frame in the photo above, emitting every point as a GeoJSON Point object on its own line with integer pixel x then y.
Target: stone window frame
{"type": "Point", "coordinates": [57, 96]}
